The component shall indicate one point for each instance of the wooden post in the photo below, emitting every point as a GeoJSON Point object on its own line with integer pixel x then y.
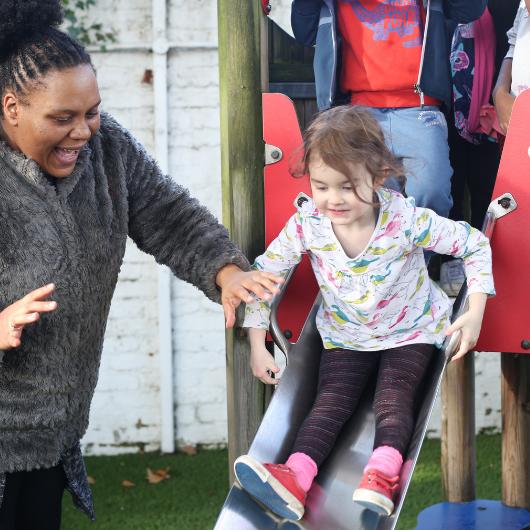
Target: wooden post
{"type": "Point", "coordinates": [242, 159]}
{"type": "Point", "coordinates": [516, 430]}
{"type": "Point", "coordinates": [458, 430]}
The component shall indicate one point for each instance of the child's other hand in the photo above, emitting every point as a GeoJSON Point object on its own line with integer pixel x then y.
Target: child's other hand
{"type": "Point", "coordinates": [237, 286]}
{"type": "Point", "coordinates": [469, 325]}
{"type": "Point", "coordinates": [262, 364]}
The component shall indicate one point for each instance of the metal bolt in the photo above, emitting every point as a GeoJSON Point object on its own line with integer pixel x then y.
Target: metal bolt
{"type": "Point", "coordinates": [525, 344]}
{"type": "Point", "coordinates": [288, 334]}
{"type": "Point", "coordinates": [275, 154]}
{"type": "Point", "coordinates": [505, 202]}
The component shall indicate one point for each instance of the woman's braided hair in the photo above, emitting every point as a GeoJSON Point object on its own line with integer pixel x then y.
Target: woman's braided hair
{"type": "Point", "coordinates": [31, 44]}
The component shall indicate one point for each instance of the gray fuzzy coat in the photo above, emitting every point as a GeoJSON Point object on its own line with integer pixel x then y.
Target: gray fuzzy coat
{"type": "Point", "coordinates": [74, 235]}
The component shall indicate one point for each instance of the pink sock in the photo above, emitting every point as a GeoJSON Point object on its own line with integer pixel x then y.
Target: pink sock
{"type": "Point", "coordinates": [387, 460]}
{"type": "Point", "coordinates": [304, 468]}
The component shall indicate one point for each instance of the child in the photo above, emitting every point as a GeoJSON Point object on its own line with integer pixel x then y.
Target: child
{"type": "Point", "coordinates": [379, 311]}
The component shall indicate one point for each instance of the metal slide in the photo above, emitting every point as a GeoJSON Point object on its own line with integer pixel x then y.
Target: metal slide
{"type": "Point", "coordinates": [329, 505]}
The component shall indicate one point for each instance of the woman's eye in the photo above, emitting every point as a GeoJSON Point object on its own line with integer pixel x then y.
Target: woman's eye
{"type": "Point", "coordinates": [62, 119]}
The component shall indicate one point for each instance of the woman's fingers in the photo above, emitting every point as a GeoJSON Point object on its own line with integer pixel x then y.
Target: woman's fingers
{"type": "Point", "coordinates": [40, 293]}
{"type": "Point", "coordinates": [230, 313]}
{"type": "Point", "coordinates": [19, 321]}
{"type": "Point", "coordinates": [41, 307]}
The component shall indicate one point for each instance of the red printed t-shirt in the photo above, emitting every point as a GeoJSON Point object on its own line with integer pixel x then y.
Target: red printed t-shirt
{"type": "Point", "coordinates": [381, 51]}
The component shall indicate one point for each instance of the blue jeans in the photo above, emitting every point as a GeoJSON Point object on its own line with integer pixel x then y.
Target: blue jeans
{"type": "Point", "coordinates": [419, 135]}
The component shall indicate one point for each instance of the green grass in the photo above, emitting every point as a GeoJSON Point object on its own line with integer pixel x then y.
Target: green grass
{"type": "Point", "coordinates": [192, 497]}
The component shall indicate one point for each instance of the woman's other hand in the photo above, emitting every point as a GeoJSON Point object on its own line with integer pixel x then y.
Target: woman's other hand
{"type": "Point", "coordinates": [15, 317]}
{"type": "Point", "coordinates": [238, 286]}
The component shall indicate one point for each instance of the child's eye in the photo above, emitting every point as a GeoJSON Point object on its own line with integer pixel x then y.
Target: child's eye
{"type": "Point", "coordinates": [62, 119]}
{"type": "Point", "coordinates": [321, 188]}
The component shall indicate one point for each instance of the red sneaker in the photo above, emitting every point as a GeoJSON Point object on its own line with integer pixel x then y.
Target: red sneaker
{"type": "Point", "coordinates": [274, 485]}
{"type": "Point", "coordinates": [376, 492]}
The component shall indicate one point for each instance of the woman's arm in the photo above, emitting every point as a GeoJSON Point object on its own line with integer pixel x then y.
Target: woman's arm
{"type": "Point", "coordinates": [165, 221]}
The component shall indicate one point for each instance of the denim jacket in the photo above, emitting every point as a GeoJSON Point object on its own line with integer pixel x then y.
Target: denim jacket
{"type": "Point", "coordinates": [314, 23]}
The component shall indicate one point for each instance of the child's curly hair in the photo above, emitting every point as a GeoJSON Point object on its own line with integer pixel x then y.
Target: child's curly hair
{"type": "Point", "coordinates": [344, 137]}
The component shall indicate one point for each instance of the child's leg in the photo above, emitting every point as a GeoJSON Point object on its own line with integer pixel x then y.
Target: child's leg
{"type": "Point", "coordinates": [342, 378]}
{"type": "Point", "coordinates": [283, 487]}
{"type": "Point", "coordinates": [400, 373]}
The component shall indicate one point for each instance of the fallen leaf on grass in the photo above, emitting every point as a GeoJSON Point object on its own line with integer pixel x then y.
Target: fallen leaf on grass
{"type": "Point", "coordinates": [91, 480]}
{"type": "Point", "coordinates": [190, 450]}
{"type": "Point", "coordinates": [158, 475]}
{"type": "Point", "coordinates": [127, 484]}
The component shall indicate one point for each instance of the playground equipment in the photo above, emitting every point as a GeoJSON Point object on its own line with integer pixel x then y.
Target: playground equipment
{"type": "Point", "coordinates": [329, 505]}
{"type": "Point", "coordinates": [244, 74]}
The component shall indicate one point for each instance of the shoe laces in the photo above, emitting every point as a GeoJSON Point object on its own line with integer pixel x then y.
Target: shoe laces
{"type": "Point", "coordinates": [382, 481]}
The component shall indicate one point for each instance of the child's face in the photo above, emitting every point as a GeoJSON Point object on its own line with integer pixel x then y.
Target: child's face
{"type": "Point", "coordinates": [333, 192]}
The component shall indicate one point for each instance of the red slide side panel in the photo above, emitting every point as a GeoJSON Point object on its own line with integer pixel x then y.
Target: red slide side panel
{"type": "Point", "coordinates": [281, 129]}
{"type": "Point", "coordinates": [507, 320]}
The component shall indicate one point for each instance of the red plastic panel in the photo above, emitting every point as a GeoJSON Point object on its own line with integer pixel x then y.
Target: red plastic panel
{"type": "Point", "coordinates": [281, 129]}
{"type": "Point", "coordinates": [507, 319]}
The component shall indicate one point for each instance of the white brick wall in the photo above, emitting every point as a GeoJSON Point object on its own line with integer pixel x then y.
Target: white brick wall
{"type": "Point", "coordinates": [125, 414]}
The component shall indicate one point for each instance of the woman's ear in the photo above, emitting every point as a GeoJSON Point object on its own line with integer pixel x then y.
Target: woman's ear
{"type": "Point", "coordinates": [10, 106]}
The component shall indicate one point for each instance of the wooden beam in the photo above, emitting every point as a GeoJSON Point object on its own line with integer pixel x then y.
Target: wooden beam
{"type": "Point", "coordinates": [516, 430]}
{"type": "Point", "coordinates": [458, 430]}
{"type": "Point", "coordinates": [242, 158]}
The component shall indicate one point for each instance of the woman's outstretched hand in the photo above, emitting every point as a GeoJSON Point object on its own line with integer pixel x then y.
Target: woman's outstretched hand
{"type": "Point", "coordinates": [15, 317]}
{"type": "Point", "coordinates": [238, 286]}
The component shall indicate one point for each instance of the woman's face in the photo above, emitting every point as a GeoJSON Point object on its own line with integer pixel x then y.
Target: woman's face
{"type": "Point", "coordinates": [55, 118]}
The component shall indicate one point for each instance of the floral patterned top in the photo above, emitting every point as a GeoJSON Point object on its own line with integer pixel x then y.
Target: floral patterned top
{"type": "Point", "coordinates": [383, 297]}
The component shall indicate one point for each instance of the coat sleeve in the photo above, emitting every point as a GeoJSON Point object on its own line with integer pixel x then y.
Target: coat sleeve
{"type": "Point", "coordinates": [305, 16]}
{"type": "Point", "coordinates": [281, 256]}
{"type": "Point", "coordinates": [464, 11]}
{"type": "Point", "coordinates": [456, 238]}
{"type": "Point", "coordinates": [167, 223]}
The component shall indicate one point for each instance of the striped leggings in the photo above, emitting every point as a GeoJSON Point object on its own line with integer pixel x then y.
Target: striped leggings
{"type": "Point", "coordinates": [342, 378]}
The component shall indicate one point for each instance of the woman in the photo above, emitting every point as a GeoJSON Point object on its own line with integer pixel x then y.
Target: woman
{"type": "Point", "coordinates": [73, 185]}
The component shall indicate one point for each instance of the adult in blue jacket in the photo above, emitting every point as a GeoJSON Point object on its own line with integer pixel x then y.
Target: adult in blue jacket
{"type": "Point", "coordinates": [391, 56]}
